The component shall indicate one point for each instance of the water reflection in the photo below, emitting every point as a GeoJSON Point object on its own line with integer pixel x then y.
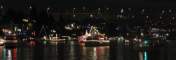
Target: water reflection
{"type": "Point", "coordinates": [145, 55]}
{"type": "Point", "coordinates": [72, 51]}
{"type": "Point", "coordinates": [60, 52]}
{"type": "Point", "coordinates": [8, 54]}
{"type": "Point", "coordinates": [98, 53]}
{"type": "Point", "coordinates": [141, 57]}
{"type": "Point", "coordinates": [1, 52]}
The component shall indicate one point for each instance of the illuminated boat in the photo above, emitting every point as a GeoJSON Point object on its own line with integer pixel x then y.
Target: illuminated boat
{"type": "Point", "coordinates": [53, 39]}
{"type": "Point", "coordinates": [9, 37]}
{"type": "Point", "coordinates": [11, 40]}
{"type": "Point", "coordinates": [30, 42]}
{"type": "Point", "coordinates": [2, 41]}
{"type": "Point", "coordinates": [50, 37]}
{"type": "Point", "coordinates": [93, 38]}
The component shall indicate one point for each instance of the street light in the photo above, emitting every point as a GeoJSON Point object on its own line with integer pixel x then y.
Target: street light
{"type": "Point", "coordinates": [48, 8]}
{"type": "Point", "coordinates": [142, 34]}
{"type": "Point", "coordinates": [2, 7]}
{"type": "Point", "coordinates": [122, 10]}
{"type": "Point", "coordinates": [30, 7]}
{"type": "Point", "coordinates": [91, 15]}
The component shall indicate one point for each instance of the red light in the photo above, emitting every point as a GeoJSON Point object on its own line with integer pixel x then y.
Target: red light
{"type": "Point", "coordinates": [14, 55]}
{"type": "Point", "coordinates": [34, 33]}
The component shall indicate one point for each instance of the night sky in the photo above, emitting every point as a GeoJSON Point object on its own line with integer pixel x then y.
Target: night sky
{"type": "Point", "coordinates": [61, 20]}
{"type": "Point", "coordinates": [21, 4]}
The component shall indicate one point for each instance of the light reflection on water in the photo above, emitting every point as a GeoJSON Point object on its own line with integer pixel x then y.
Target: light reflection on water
{"type": "Point", "coordinates": [145, 55]}
{"type": "Point", "coordinates": [51, 53]}
{"type": "Point", "coordinates": [1, 53]}
{"type": "Point", "coordinates": [98, 53]}
{"type": "Point", "coordinates": [63, 52]}
{"type": "Point", "coordinates": [141, 56]}
{"type": "Point", "coordinates": [68, 52]}
{"type": "Point", "coordinates": [8, 54]}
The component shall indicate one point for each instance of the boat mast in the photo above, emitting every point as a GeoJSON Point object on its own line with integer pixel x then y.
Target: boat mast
{"type": "Point", "coordinates": [43, 30]}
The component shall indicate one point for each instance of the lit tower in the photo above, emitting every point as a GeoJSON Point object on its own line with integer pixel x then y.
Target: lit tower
{"type": "Point", "coordinates": [93, 31]}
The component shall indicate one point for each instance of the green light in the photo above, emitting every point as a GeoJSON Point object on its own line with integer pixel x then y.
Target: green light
{"type": "Point", "coordinates": [145, 42]}
{"type": "Point", "coordinates": [4, 54]}
{"type": "Point", "coordinates": [45, 42]}
{"type": "Point", "coordinates": [145, 55]}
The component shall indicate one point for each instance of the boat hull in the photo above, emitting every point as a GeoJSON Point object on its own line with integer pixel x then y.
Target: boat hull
{"type": "Point", "coordinates": [90, 43]}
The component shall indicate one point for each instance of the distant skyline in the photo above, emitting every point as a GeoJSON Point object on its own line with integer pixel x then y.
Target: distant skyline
{"type": "Point", "coordinates": [41, 4]}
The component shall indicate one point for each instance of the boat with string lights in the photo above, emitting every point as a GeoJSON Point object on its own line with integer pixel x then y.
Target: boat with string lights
{"type": "Point", "coordinates": [2, 41]}
{"type": "Point", "coordinates": [51, 37]}
{"type": "Point", "coordinates": [53, 40]}
{"type": "Point", "coordinates": [93, 38]}
{"type": "Point", "coordinates": [9, 38]}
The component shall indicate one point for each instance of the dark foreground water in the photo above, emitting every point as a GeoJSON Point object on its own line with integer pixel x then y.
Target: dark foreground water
{"type": "Point", "coordinates": [72, 51]}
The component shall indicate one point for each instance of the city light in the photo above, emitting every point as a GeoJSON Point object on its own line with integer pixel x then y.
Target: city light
{"type": "Point", "coordinates": [142, 34]}
{"type": "Point", "coordinates": [163, 11]}
{"type": "Point", "coordinates": [135, 39]}
{"type": "Point", "coordinates": [143, 10]}
{"type": "Point", "coordinates": [141, 30]}
{"type": "Point", "coordinates": [25, 20]}
{"type": "Point", "coordinates": [170, 10]}
{"type": "Point", "coordinates": [122, 10]}
{"type": "Point", "coordinates": [30, 7]}
{"type": "Point", "coordinates": [48, 8]}
{"type": "Point", "coordinates": [74, 15]}
{"type": "Point", "coordinates": [91, 16]}
{"type": "Point", "coordinates": [107, 8]}
{"type": "Point", "coordinates": [2, 6]}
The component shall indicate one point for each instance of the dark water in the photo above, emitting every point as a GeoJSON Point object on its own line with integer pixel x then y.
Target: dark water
{"type": "Point", "coordinates": [72, 51]}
